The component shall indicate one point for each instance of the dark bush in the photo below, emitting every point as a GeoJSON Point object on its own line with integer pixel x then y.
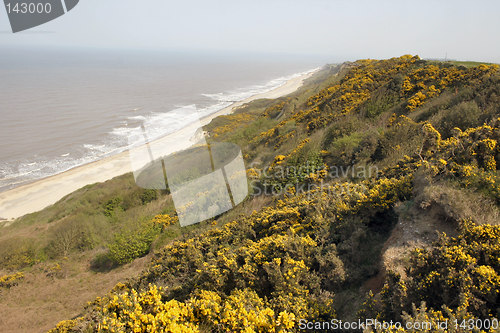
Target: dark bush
{"type": "Point", "coordinates": [463, 116]}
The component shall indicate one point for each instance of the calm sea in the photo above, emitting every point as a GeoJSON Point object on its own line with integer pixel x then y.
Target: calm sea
{"type": "Point", "coordinates": [60, 109]}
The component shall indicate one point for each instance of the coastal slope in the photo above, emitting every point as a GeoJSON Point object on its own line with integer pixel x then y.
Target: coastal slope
{"type": "Point", "coordinates": [374, 193]}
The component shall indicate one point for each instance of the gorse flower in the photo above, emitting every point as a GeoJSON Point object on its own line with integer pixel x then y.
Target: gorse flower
{"type": "Point", "coordinates": [310, 247]}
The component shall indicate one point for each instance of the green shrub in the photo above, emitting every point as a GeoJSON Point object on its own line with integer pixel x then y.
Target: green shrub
{"type": "Point", "coordinates": [342, 150]}
{"type": "Point", "coordinates": [131, 244]}
{"type": "Point", "coordinates": [463, 116]}
{"type": "Point", "coordinates": [381, 102]}
{"type": "Point", "coordinates": [102, 262]}
{"type": "Point", "coordinates": [148, 195]}
{"type": "Point", "coordinates": [343, 126]}
{"type": "Point", "coordinates": [111, 205]}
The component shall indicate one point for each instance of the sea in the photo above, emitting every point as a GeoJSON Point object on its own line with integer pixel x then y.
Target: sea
{"type": "Point", "coordinates": [60, 109]}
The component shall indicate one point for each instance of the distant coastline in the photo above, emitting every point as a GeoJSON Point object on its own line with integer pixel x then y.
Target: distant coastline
{"type": "Point", "coordinates": [41, 193]}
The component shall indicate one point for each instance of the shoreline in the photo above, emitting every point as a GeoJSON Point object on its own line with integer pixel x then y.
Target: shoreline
{"type": "Point", "coordinates": [37, 195]}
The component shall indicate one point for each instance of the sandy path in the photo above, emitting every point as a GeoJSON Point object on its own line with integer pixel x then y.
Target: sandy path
{"type": "Point", "coordinates": [42, 193]}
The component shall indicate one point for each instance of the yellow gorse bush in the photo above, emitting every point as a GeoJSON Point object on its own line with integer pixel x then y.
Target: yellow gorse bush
{"type": "Point", "coordinates": [264, 271]}
{"type": "Point", "coordinates": [10, 280]}
{"type": "Point", "coordinates": [231, 122]}
{"type": "Point", "coordinates": [165, 220]}
{"type": "Point", "coordinates": [461, 272]}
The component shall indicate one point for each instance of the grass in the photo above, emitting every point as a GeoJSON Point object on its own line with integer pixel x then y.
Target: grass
{"type": "Point", "coordinates": [48, 295]}
{"type": "Point", "coordinates": [468, 64]}
{"type": "Point", "coordinates": [81, 221]}
{"type": "Point", "coordinates": [464, 63]}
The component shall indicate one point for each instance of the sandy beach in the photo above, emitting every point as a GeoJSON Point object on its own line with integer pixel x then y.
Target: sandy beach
{"type": "Point", "coordinates": [35, 196]}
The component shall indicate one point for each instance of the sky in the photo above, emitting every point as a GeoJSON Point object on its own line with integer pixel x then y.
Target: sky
{"type": "Point", "coordinates": [333, 29]}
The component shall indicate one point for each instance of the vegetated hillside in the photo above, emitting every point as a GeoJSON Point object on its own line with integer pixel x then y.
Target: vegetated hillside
{"type": "Point", "coordinates": [374, 194]}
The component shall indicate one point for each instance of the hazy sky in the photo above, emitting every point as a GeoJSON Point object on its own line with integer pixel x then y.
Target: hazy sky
{"type": "Point", "coordinates": [335, 29]}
